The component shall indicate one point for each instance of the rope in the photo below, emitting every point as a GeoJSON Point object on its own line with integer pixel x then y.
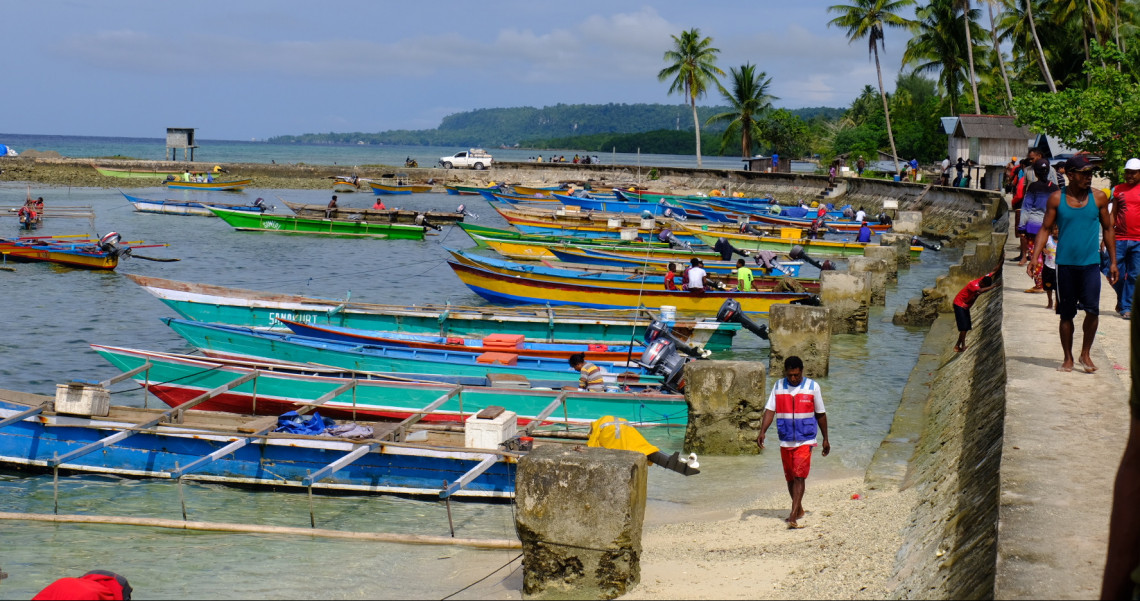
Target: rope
{"type": "Point", "coordinates": [195, 374]}
{"type": "Point", "coordinates": [516, 558]}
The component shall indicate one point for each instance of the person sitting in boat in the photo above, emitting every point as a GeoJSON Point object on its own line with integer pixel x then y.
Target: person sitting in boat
{"type": "Point", "coordinates": [186, 175]}
{"type": "Point", "coordinates": [209, 178]}
{"type": "Point", "coordinates": [27, 214]}
{"type": "Point", "coordinates": [329, 210]}
{"type": "Point", "coordinates": [39, 204]}
{"type": "Point", "coordinates": [726, 249]}
{"type": "Point", "coordinates": [379, 205]}
{"type": "Point", "coordinates": [864, 233]}
{"type": "Point", "coordinates": [591, 375]}
{"type": "Point", "coordinates": [671, 277]}
{"type": "Point", "coordinates": [745, 282]}
{"type": "Point", "coordinates": [817, 229]}
{"type": "Point", "coordinates": [696, 278]}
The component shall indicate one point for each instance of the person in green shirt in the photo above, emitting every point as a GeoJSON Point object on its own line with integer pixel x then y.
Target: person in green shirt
{"type": "Point", "coordinates": [744, 279]}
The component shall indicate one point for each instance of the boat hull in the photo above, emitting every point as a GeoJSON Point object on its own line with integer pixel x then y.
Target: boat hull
{"type": "Point", "coordinates": [83, 256]}
{"type": "Point", "coordinates": [378, 188]}
{"type": "Point", "coordinates": [291, 224]}
{"type": "Point", "coordinates": [220, 186]}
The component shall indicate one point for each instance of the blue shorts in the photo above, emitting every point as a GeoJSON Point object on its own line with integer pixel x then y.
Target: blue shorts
{"type": "Point", "coordinates": [1078, 287]}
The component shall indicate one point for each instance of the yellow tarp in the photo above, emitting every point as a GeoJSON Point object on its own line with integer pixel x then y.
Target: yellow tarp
{"type": "Point", "coordinates": [616, 433]}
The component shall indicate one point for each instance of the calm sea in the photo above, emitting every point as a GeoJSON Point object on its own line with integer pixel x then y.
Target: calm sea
{"type": "Point", "coordinates": [53, 313]}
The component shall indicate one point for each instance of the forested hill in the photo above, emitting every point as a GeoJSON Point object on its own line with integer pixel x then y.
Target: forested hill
{"type": "Point", "coordinates": [509, 126]}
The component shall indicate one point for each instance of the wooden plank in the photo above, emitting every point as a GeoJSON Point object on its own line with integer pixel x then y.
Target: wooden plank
{"type": "Point", "coordinates": [19, 417]}
{"type": "Point", "coordinates": [258, 425]}
{"type": "Point", "coordinates": [125, 375]}
{"type": "Point", "coordinates": [545, 413]}
{"type": "Point", "coordinates": [471, 474]}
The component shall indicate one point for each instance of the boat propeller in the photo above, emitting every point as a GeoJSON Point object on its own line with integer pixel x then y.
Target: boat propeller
{"type": "Point", "coordinates": [657, 330]}
{"type": "Point", "coordinates": [730, 312]}
{"type": "Point", "coordinates": [931, 245]}
{"type": "Point", "coordinates": [797, 253]}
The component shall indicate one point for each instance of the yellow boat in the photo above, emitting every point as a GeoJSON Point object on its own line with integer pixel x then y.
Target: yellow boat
{"type": "Point", "coordinates": [821, 248]}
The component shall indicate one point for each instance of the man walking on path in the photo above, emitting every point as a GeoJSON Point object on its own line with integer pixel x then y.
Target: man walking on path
{"type": "Point", "coordinates": [1078, 210]}
{"type": "Point", "coordinates": [796, 404]}
{"type": "Point", "coordinates": [1126, 225]}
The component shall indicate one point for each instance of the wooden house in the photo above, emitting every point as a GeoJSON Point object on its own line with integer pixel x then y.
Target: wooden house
{"type": "Point", "coordinates": [988, 142]}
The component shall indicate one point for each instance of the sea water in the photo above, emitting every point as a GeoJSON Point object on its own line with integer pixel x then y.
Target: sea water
{"type": "Point", "coordinates": [52, 313]}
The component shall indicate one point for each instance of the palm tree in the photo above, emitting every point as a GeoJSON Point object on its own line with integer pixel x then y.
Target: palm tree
{"type": "Point", "coordinates": [997, 52]}
{"type": "Point", "coordinates": [964, 6]}
{"type": "Point", "coordinates": [749, 100]}
{"type": "Point", "coordinates": [867, 19]}
{"type": "Point", "coordinates": [938, 45]}
{"type": "Point", "coordinates": [1037, 40]}
{"type": "Point", "coordinates": [692, 67]}
{"type": "Point", "coordinates": [1017, 24]}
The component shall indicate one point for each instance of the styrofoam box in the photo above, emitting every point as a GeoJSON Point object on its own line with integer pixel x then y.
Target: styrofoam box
{"type": "Point", "coordinates": [82, 399]}
{"type": "Point", "coordinates": [488, 433]}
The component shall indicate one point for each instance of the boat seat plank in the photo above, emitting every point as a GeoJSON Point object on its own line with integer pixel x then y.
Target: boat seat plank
{"type": "Point", "coordinates": [258, 425]}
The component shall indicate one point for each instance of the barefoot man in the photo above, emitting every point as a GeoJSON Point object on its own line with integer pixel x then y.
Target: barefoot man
{"type": "Point", "coordinates": [1078, 211]}
{"type": "Point", "coordinates": [796, 404]}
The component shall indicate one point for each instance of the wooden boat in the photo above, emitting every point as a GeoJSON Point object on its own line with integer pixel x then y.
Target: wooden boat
{"type": "Point", "coordinates": [397, 184]}
{"type": "Point", "coordinates": [712, 264]}
{"type": "Point", "coordinates": [842, 225]}
{"type": "Point", "coordinates": [85, 254]}
{"type": "Point", "coordinates": [373, 215]}
{"type": "Point", "coordinates": [456, 190]}
{"type": "Point", "coordinates": [236, 306]}
{"type": "Point", "coordinates": [234, 185]}
{"type": "Point", "coordinates": [629, 275]}
{"type": "Point", "coordinates": [506, 289]}
{"type": "Point", "coordinates": [237, 342]}
{"type": "Point", "coordinates": [495, 343]}
{"type": "Point", "coordinates": [571, 223]}
{"type": "Point", "coordinates": [659, 209]}
{"type": "Point", "coordinates": [136, 172]}
{"type": "Point", "coordinates": [815, 248]}
{"type": "Point", "coordinates": [241, 450]}
{"type": "Point", "coordinates": [538, 190]}
{"type": "Point", "coordinates": [292, 224]}
{"type": "Point", "coordinates": [277, 388]}
{"type": "Point", "coordinates": [179, 207]}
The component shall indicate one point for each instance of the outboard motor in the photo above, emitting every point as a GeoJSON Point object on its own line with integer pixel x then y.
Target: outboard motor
{"type": "Point", "coordinates": [730, 312]}
{"type": "Point", "coordinates": [920, 242]}
{"type": "Point", "coordinates": [797, 253]}
{"type": "Point", "coordinates": [658, 330]}
{"type": "Point", "coordinates": [667, 235]}
{"type": "Point", "coordinates": [748, 228]}
{"type": "Point", "coordinates": [260, 204]}
{"type": "Point", "coordinates": [662, 359]}
{"type": "Point", "coordinates": [110, 244]}
{"type": "Point", "coordinates": [422, 221]}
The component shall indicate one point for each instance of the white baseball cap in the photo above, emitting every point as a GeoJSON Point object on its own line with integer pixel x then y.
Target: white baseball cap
{"type": "Point", "coordinates": [1132, 165]}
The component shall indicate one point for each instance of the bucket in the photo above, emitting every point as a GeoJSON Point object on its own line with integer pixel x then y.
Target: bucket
{"type": "Point", "coordinates": [668, 313]}
{"type": "Point", "coordinates": [897, 178]}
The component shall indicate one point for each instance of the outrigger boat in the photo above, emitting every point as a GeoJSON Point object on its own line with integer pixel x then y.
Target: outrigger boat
{"type": "Point", "coordinates": [180, 207]}
{"type": "Point", "coordinates": [237, 306]}
{"type": "Point", "coordinates": [279, 387]}
{"type": "Point", "coordinates": [292, 224]}
{"type": "Point", "coordinates": [397, 184]}
{"type": "Point", "coordinates": [372, 215]}
{"type": "Point", "coordinates": [235, 185]}
{"type": "Point", "coordinates": [182, 443]}
{"type": "Point", "coordinates": [135, 173]}
{"type": "Point", "coordinates": [103, 254]}
{"type": "Point", "coordinates": [456, 190]}
{"type": "Point", "coordinates": [712, 262]}
{"type": "Point", "coordinates": [816, 247]}
{"type": "Point", "coordinates": [516, 289]}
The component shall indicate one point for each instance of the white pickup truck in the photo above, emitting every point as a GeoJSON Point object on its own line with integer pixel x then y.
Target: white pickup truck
{"type": "Point", "coordinates": [476, 158]}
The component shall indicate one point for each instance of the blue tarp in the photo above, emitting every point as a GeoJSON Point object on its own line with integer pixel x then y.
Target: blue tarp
{"type": "Point", "coordinates": [293, 423]}
{"type": "Point", "coordinates": [793, 212]}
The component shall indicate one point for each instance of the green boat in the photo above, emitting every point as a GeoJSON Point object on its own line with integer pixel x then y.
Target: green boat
{"type": "Point", "coordinates": [135, 173]}
{"type": "Point", "coordinates": [292, 224]}
{"type": "Point", "coordinates": [480, 233]}
{"type": "Point", "coordinates": [278, 388]}
{"type": "Point", "coordinates": [236, 306]}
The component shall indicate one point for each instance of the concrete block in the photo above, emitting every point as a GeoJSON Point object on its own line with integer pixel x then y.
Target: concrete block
{"type": "Point", "coordinates": [801, 331]}
{"type": "Point", "coordinates": [848, 295]}
{"type": "Point", "coordinates": [579, 517]}
{"type": "Point", "coordinates": [900, 242]}
{"type": "Point", "coordinates": [888, 254]}
{"type": "Point", "coordinates": [878, 270]}
{"type": "Point", "coordinates": [726, 405]}
{"type": "Point", "coordinates": [908, 222]}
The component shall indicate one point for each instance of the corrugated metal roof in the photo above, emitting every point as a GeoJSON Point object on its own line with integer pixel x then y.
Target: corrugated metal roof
{"type": "Point", "coordinates": [990, 126]}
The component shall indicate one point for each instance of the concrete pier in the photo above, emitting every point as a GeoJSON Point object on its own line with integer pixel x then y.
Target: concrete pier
{"type": "Point", "coordinates": [908, 222]}
{"type": "Point", "coordinates": [848, 295]}
{"type": "Point", "coordinates": [888, 254]}
{"type": "Point", "coordinates": [802, 331]}
{"type": "Point", "coordinates": [902, 243]}
{"type": "Point", "coordinates": [726, 405]}
{"type": "Point", "coordinates": [580, 515]}
{"type": "Point", "coordinates": [877, 268]}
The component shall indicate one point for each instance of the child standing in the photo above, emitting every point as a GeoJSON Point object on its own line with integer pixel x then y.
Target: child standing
{"type": "Point", "coordinates": [1049, 270]}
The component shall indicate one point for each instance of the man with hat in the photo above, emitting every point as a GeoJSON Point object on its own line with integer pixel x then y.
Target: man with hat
{"type": "Point", "coordinates": [1126, 224]}
{"type": "Point", "coordinates": [1078, 211]}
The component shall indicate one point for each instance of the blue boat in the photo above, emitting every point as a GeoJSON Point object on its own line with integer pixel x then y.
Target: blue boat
{"type": "Point", "coordinates": [241, 450]}
{"type": "Point", "coordinates": [233, 342]}
{"type": "Point", "coordinates": [660, 209]}
{"type": "Point", "coordinates": [589, 256]}
{"type": "Point", "coordinates": [179, 207]}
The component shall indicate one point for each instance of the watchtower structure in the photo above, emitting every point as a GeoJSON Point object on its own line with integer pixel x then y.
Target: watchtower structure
{"type": "Point", "coordinates": [180, 137]}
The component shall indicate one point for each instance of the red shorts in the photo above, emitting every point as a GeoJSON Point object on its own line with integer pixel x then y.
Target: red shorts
{"type": "Point", "coordinates": [796, 460]}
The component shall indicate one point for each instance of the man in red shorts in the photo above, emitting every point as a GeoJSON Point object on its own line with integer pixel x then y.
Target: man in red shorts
{"type": "Point", "coordinates": [796, 405]}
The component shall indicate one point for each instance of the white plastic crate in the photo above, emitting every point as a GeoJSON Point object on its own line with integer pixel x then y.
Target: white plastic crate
{"type": "Point", "coordinates": [482, 433]}
{"type": "Point", "coordinates": [82, 398]}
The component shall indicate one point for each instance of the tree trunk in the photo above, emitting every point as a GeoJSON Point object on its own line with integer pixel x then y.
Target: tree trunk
{"type": "Point", "coordinates": [697, 126]}
{"type": "Point", "coordinates": [1040, 52]}
{"type": "Point", "coordinates": [1001, 59]}
{"type": "Point", "coordinates": [886, 111]}
{"type": "Point", "coordinates": [970, 55]}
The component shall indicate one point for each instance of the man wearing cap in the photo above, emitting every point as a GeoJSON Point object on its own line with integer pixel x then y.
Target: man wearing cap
{"type": "Point", "coordinates": [1033, 205]}
{"type": "Point", "coordinates": [1126, 225]}
{"type": "Point", "coordinates": [1078, 211]}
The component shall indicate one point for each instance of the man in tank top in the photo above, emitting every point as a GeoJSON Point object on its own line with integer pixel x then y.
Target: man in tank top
{"type": "Point", "coordinates": [1078, 211]}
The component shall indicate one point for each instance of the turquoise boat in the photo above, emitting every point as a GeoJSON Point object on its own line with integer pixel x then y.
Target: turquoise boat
{"type": "Point", "coordinates": [237, 306]}
{"type": "Point", "coordinates": [247, 344]}
{"type": "Point", "coordinates": [278, 388]}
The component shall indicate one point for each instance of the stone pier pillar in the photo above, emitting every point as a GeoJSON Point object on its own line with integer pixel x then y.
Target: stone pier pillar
{"type": "Point", "coordinates": [848, 295]}
{"type": "Point", "coordinates": [726, 405]}
{"type": "Point", "coordinates": [579, 517]}
{"type": "Point", "coordinates": [900, 242]}
{"type": "Point", "coordinates": [908, 222]}
{"type": "Point", "coordinates": [802, 331]}
{"type": "Point", "coordinates": [878, 270]}
{"type": "Point", "coordinates": [888, 254]}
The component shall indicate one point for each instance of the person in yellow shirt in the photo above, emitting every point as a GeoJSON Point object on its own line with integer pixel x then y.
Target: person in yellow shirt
{"type": "Point", "coordinates": [744, 279]}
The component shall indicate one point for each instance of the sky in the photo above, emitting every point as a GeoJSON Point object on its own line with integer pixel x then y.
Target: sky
{"type": "Point", "coordinates": [252, 69]}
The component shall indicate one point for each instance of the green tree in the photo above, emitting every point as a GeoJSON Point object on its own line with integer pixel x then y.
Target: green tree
{"type": "Point", "coordinates": [867, 19]}
{"type": "Point", "coordinates": [1103, 118]}
{"type": "Point", "coordinates": [748, 100]}
{"type": "Point", "coordinates": [940, 44]}
{"type": "Point", "coordinates": [787, 133]}
{"type": "Point", "coordinates": [692, 67]}
{"type": "Point", "coordinates": [998, 54]}
{"type": "Point", "coordinates": [968, 21]}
